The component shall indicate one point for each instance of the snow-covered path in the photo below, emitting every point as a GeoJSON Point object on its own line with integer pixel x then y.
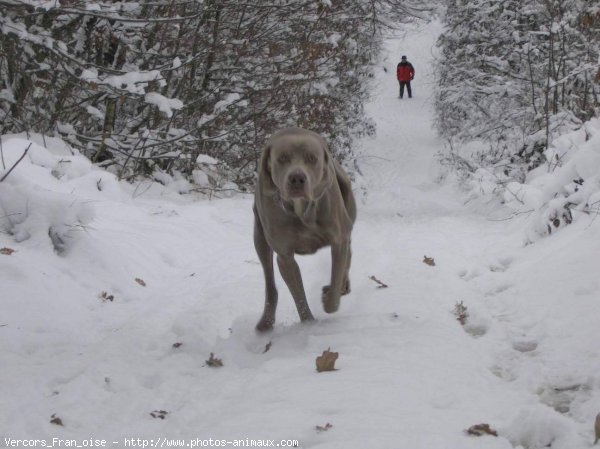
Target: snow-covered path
{"type": "Point", "coordinates": [409, 375]}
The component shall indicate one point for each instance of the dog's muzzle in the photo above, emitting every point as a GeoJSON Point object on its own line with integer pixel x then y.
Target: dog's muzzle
{"type": "Point", "coordinates": [297, 183]}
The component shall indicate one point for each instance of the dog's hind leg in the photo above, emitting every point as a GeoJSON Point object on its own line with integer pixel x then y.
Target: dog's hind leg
{"type": "Point", "coordinates": [346, 283]}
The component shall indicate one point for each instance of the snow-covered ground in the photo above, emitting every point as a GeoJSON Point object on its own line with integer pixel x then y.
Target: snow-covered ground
{"type": "Point", "coordinates": [117, 325]}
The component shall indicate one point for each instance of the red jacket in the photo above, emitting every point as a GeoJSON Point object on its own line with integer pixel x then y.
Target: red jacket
{"type": "Point", "coordinates": [405, 71]}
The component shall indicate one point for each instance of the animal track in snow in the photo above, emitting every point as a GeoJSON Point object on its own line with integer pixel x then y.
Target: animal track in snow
{"type": "Point", "coordinates": [525, 345]}
{"type": "Point", "coordinates": [499, 289]}
{"type": "Point", "coordinates": [501, 266]}
{"type": "Point", "coordinates": [475, 330]}
{"type": "Point", "coordinates": [560, 397]}
{"type": "Point", "coordinates": [468, 275]}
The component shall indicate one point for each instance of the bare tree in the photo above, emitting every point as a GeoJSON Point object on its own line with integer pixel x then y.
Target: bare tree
{"type": "Point", "coordinates": [146, 86]}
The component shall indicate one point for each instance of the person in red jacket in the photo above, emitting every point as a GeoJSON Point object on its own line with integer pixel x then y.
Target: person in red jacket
{"type": "Point", "coordinates": [405, 72]}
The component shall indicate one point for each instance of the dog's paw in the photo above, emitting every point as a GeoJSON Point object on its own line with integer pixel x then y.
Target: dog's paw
{"type": "Point", "coordinates": [331, 304]}
{"type": "Point", "coordinates": [345, 288]}
{"type": "Point", "coordinates": [265, 324]}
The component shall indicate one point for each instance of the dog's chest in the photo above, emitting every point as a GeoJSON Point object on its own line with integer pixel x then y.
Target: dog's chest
{"type": "Point", "coordinates": [307, 241]}
{"type": "Point", "coordinates": [297, 238]}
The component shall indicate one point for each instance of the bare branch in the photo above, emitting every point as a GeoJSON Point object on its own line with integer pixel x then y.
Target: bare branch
{"type": "Point", "coordinates": [16, 163]}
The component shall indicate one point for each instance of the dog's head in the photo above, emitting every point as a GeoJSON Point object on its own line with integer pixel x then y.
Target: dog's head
{"type": "Point", "coordinates": [296, 162]}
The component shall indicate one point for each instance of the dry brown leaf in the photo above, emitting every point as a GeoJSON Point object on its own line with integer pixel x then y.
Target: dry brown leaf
{"type": "Point", "coordinates": [597, 428]}
{"type": "Point", "coordinates": [56, 420]}
{"type": "Point", "coordinates": [381, 284]}
{"type": "Point", "coordinates": [324, 428]}
{"type": "Point", "coordinates": [6, 251]}
{"type": "Point", "coordinates": [159, 414]}
{"type": "Point", "coordinates": [214, 362]}
{"type": "Point", "coordinates": [177, 345]}
{"type": "Point", "coordinates": [429, 261]}
{"type": "Point", "coordinates": [140, 281]}
{"type": "Point", "coordinates": [460, 311]}
{"type": "Point", "coordinates": [326, 361]}
{"type": "Point", "coordinates": [267, 347]}
{"type": "Point", "coordinates": [481, 429]}
{"type": "Point", "coordinates": [106, 297]}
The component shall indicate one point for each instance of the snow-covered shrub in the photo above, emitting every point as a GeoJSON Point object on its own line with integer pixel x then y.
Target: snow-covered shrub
{"type": "Point", "coordinates": [567, 186]}
{"type": "Point", "coordinates": [210, 176]}
{"type": "Point", "coordinates": [512, 79]}
{"type": "Point", "coordinates": [35, 200]}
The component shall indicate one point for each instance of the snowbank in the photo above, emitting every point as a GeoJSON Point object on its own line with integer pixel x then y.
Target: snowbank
{"type": "Point", "coordinates": [538, 427]}
{"type": "Point", "coordinates": [560, 191]}
{"type": "Point", "coordinates": [39, 198]}
{"type": "Point", "coordinates": [566, 187]}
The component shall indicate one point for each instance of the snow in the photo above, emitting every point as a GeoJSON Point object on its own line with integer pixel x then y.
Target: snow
{"type": "Point", "coordinates": [7, 95]}
{"type": "Point", "coordinates": [118, 321]}
{"type": "Point", "coordinates": [206, 159]}
{"type": "Point", "coordinates": [163, 103]}
{"type": "Point", "coordinates": [45, 4]}
{"type": "Point", "coordinates": [569, 180]}
{"type": "Point", "coordinates": [134, 82]}
{"type": "Point", "coordinates": [226, 102]}
{"type": "Point", "coordinates": [176, 63]}
{"type": "Point", "coordinates": [95, 112]}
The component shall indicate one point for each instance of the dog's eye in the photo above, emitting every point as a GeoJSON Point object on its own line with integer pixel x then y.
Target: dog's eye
{"type": "Point", "coordinates": [311, 159]}
{"type": "Point", "coordinates": [283, 159]}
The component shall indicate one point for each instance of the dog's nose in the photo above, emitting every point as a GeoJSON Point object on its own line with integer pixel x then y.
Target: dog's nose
{"type": "Point", "coordinates": [297, 180]}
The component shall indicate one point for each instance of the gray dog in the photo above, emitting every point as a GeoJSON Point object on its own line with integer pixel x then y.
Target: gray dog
{"type": "Point", "coordinates": [303, 202]}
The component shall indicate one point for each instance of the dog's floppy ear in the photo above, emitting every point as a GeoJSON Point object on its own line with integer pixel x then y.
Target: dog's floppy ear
{"type": "Point", "coordinates": [326, 154]}
{"type": "Point", "coordinates": [264, 171]}
{"type": "Point", "coordinates": [328, 172]}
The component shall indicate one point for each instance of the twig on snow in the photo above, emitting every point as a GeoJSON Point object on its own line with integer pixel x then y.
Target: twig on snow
{"type": "Point", "coordinates": [16, 163]}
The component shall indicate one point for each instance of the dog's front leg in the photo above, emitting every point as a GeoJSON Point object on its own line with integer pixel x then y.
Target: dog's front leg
{"type": "Point", "coordinates": [290, 272]}
{"type": "Point", "coordinates": [340, 253]}
{"type": "Point", "coordinates": [265, 255]}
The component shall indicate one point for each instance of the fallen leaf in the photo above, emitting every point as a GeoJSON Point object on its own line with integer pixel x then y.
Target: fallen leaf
{"type": "Point", "coordinates": [140, 281]}
{"type": "Point", "coordinates": [214, 362]}
{"type": "Point", "coordinates": [267, 347]}
{"type": "Point", "coordinates": [326, 361]}
{"type": "Point", "coordinates": [106, 297]}
{"type": "Point", "coordinates": [429, 261]}
{"type": "Point", "coordinates": [159, 414]}
{"type": "Point", "coordinates": [597, 428]}
{"type": "Point", "coordinates": [324, 428]}
{"type": "Point", "coordinates": [460, 311]}
{"type": "Point", "coordinates": [6, 251]}
{"type": "Point", "coordinates": [56, 420]}
{"type": "Point", "coordinates": [481, 429]}
{"type": "Point", "coordinates": [381, 284]}
{"type": "Point", "coordinates": [177, 345]}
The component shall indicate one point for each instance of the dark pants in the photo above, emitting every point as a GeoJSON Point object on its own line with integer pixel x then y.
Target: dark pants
{"type": "Point", "coordinates": [407, 84]}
